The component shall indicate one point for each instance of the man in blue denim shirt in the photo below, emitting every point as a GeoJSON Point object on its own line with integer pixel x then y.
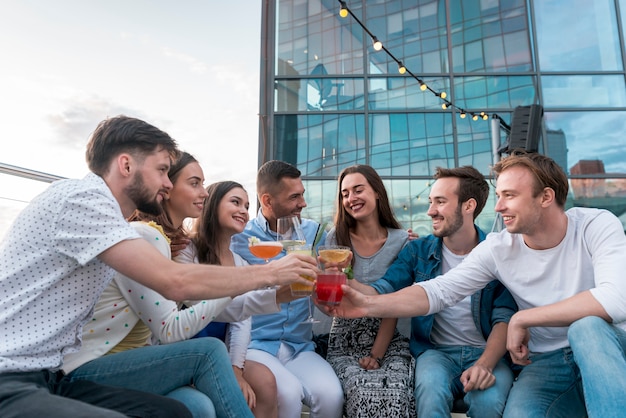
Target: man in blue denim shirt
{"type": "Point", "coordinates": [459, 351]}
{"type": "Point", "coordinates": [283, 341]}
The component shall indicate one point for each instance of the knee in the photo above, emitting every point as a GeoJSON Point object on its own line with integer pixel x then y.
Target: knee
{"type": "Point", "coordinates": [585, 330]}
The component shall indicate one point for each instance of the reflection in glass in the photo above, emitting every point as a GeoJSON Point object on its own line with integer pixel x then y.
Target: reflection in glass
{"type": "Point", "coordinates": [574, 91]}
{"type": "Point", "coordinates": [579, 38]}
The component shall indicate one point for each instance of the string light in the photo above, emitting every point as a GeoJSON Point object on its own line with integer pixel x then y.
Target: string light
{"type": "Point", "coordinates": [344, 11]}
{"type": "Point", "coordinates": [377, 44]}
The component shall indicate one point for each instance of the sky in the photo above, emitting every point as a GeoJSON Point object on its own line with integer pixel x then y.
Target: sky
{"type": "Point", "coordinates": [190, 68]}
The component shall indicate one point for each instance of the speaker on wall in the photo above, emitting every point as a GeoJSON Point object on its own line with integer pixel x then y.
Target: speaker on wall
{"type": "Point", "coordinates": [526, 128]}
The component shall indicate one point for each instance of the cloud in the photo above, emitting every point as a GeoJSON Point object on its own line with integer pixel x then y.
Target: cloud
{"type": "Point", "coordinates": [78, 120]}
{"type": "Point", "coordinates": [195, 65]}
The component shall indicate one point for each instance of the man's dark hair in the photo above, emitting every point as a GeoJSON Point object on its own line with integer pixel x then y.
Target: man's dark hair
{"type": "Point", "coordinates": [122, 134]}
{"type": "Point", "coordinates": [271, 173]}
{"type": "Point", "coordinates": [472, 185]}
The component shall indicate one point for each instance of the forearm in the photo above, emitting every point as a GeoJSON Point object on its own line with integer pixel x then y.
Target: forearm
{"type": "Point", "coordinates": [362, 287]}
{"type": "Point", "coordinates": [561, 314]}
{"type": "Point", "coordinates": [383, 337]}
{"type": "Point", "coordinates": [496, 346]}
{"type": "Point", "coordinates": [408, 302]}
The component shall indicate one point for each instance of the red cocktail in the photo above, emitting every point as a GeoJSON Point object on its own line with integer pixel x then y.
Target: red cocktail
{"type": "Point", "coordinates": [328, 287]}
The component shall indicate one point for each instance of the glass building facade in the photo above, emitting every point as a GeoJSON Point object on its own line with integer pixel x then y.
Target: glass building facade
{"type": "Point", "coordinates": [329, 100]}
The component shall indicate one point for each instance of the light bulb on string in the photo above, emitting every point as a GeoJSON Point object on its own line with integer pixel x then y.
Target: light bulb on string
{"type": "Point", "coordinates": [343, 10]}
{"type": "Point", "coordinates": [423, 86]}
{"type": "Point", "coordinates": [401, 68]}
{"type": "Point", "coordinates": [444, 106]}
{"type": "Point", "coordinates": [377, 44]}
{"type": "Point", "coordinates": [463, 115]}
{"type": "Point", "coordinates": [443, 95]}
{"type": "Point", "coordinates": [474, 117]}
{"type": "Point", "coordinates": [485, 116]}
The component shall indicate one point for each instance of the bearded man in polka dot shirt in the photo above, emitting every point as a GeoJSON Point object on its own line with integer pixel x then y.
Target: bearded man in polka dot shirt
{"type": "Point", "coordinates": [62, 251]}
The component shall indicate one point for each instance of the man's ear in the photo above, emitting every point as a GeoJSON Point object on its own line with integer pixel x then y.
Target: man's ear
{"type": "Point", "coordinates": [124, 164]}
{"type": "Point", "coordinates": [266, 200]}
{"type": "Point", "coordinates": [547, 196]}
{"type": "Point", "coordinates": [469, 205]}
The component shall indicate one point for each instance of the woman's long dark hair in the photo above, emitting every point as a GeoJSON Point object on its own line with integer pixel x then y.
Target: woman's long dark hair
{"type": "Point", "coordinates": [344, 222]}
{"type": "Point", "coordinates": [163, 219]}
{"type": "Point", "coordinates": [207, 226]}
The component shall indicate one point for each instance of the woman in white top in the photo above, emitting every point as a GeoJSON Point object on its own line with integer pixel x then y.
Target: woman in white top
{"type": "Point", "coordinates": [129, 316]}
{"type": "Point", "coordinates": [225, 214]}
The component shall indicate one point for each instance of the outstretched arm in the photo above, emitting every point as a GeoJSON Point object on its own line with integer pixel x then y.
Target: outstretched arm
{"type": "Point", "coordinates": [408, 302]}
{"type": "Point", "coordinates": [140, 261]}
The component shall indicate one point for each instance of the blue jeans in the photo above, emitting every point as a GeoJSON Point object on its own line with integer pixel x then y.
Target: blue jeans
{"type": "Point", "coordinates": [49, 394]}
{"type": "Point", "coordinates": [161, 369]}
{"type": "Point", "coordinates": [599, 349]}
{"type": "Point", "coordinates": [437, 383]}
{"type": "Point", "coordinates": [548, 387]}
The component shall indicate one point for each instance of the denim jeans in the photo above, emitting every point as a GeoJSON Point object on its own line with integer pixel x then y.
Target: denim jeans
{"type": "Point", "coordinates": [197, 402]}
{"type": "Point", "coordinates": [548, 387]}
{"type": "Point", "coordinates": [161, 369]}
{"type": "Point", "coordinates": [48, 394]}
{"type": "Point", "coordinates": [437, 383]}
{"type": "Point", "coordinates": [599, 349]}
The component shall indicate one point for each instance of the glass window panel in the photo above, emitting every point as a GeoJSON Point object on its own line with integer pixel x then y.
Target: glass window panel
{"type": "Point", "coordinates": [597, 136]}
{"type": "Point", "coordinates": [481, 93]}
{"type": "Point", "coordinates": [579, 37]}
{"type": "Point", "coordinates": [318, 94]}
{"type": "Point", "coordinates": [310, 32]}
{"type": "Point", "coordinates": [584, 91]}
{"type": "Point", "coordinates": [322, 144]}
{"type": "Point", "coordinates": [481, 36]}
{"type": "Point", "coordinates": [404, 93]}
{"type": "Point", "coordinates": [410, 144]}
{"type": "Point", "coordinates": [592, 147]}
{"type": "Point", "coordinates": [408, 31]}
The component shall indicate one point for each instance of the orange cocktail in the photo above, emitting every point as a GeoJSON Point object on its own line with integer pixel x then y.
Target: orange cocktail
{"type": "Point", "coordinates": [265, 249]}
{"type": "Point", "coordinates": [298, 289]}
{"type": "Point", "coordinates": [333, 253]}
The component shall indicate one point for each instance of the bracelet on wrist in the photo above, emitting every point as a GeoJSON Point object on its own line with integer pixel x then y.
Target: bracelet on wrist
{"type": "Point", "coordinates": [379, 360]}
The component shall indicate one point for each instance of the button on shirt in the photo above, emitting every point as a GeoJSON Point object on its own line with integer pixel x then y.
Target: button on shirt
{"type": "Point", "coordinates": [269, 331]}
{"type": "Point", "coordinates": [50, 278]}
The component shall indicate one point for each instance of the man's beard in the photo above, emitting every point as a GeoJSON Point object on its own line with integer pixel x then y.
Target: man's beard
{"type": "Point", "coordinates": [452, 227]}
{"type": "Point", "coordinates": [137, 192]}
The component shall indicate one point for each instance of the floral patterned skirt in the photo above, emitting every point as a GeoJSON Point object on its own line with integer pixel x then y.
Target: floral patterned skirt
{"type": "Point", "coordinates": [384, 392]}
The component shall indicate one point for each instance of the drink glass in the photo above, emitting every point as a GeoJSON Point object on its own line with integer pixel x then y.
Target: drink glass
{"type": "Point", "coordinates": [265, 249]}
{"type": "Point", "coordinates": [328, 288]}
{"type": "Point", "coordinates": [289, 231]}
{"type": "Point", "coordinates": [298, 289]}
{"type": "Point", "coordinates": [333, 253]}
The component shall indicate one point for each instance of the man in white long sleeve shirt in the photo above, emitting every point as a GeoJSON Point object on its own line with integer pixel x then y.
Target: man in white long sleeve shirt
{"type": "Point", "coordinates": [565, 270]}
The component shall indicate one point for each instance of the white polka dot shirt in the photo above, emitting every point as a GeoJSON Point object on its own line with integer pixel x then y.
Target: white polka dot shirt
{"type": "Point", "coordinates": [50, 278]}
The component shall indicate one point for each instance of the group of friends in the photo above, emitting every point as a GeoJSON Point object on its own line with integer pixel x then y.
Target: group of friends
{"type": "Point", "coordinates": [186, 322]}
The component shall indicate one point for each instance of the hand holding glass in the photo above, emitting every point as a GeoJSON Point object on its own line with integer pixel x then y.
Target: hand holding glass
{"type": "Point", "coordinates": [328, 288]}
